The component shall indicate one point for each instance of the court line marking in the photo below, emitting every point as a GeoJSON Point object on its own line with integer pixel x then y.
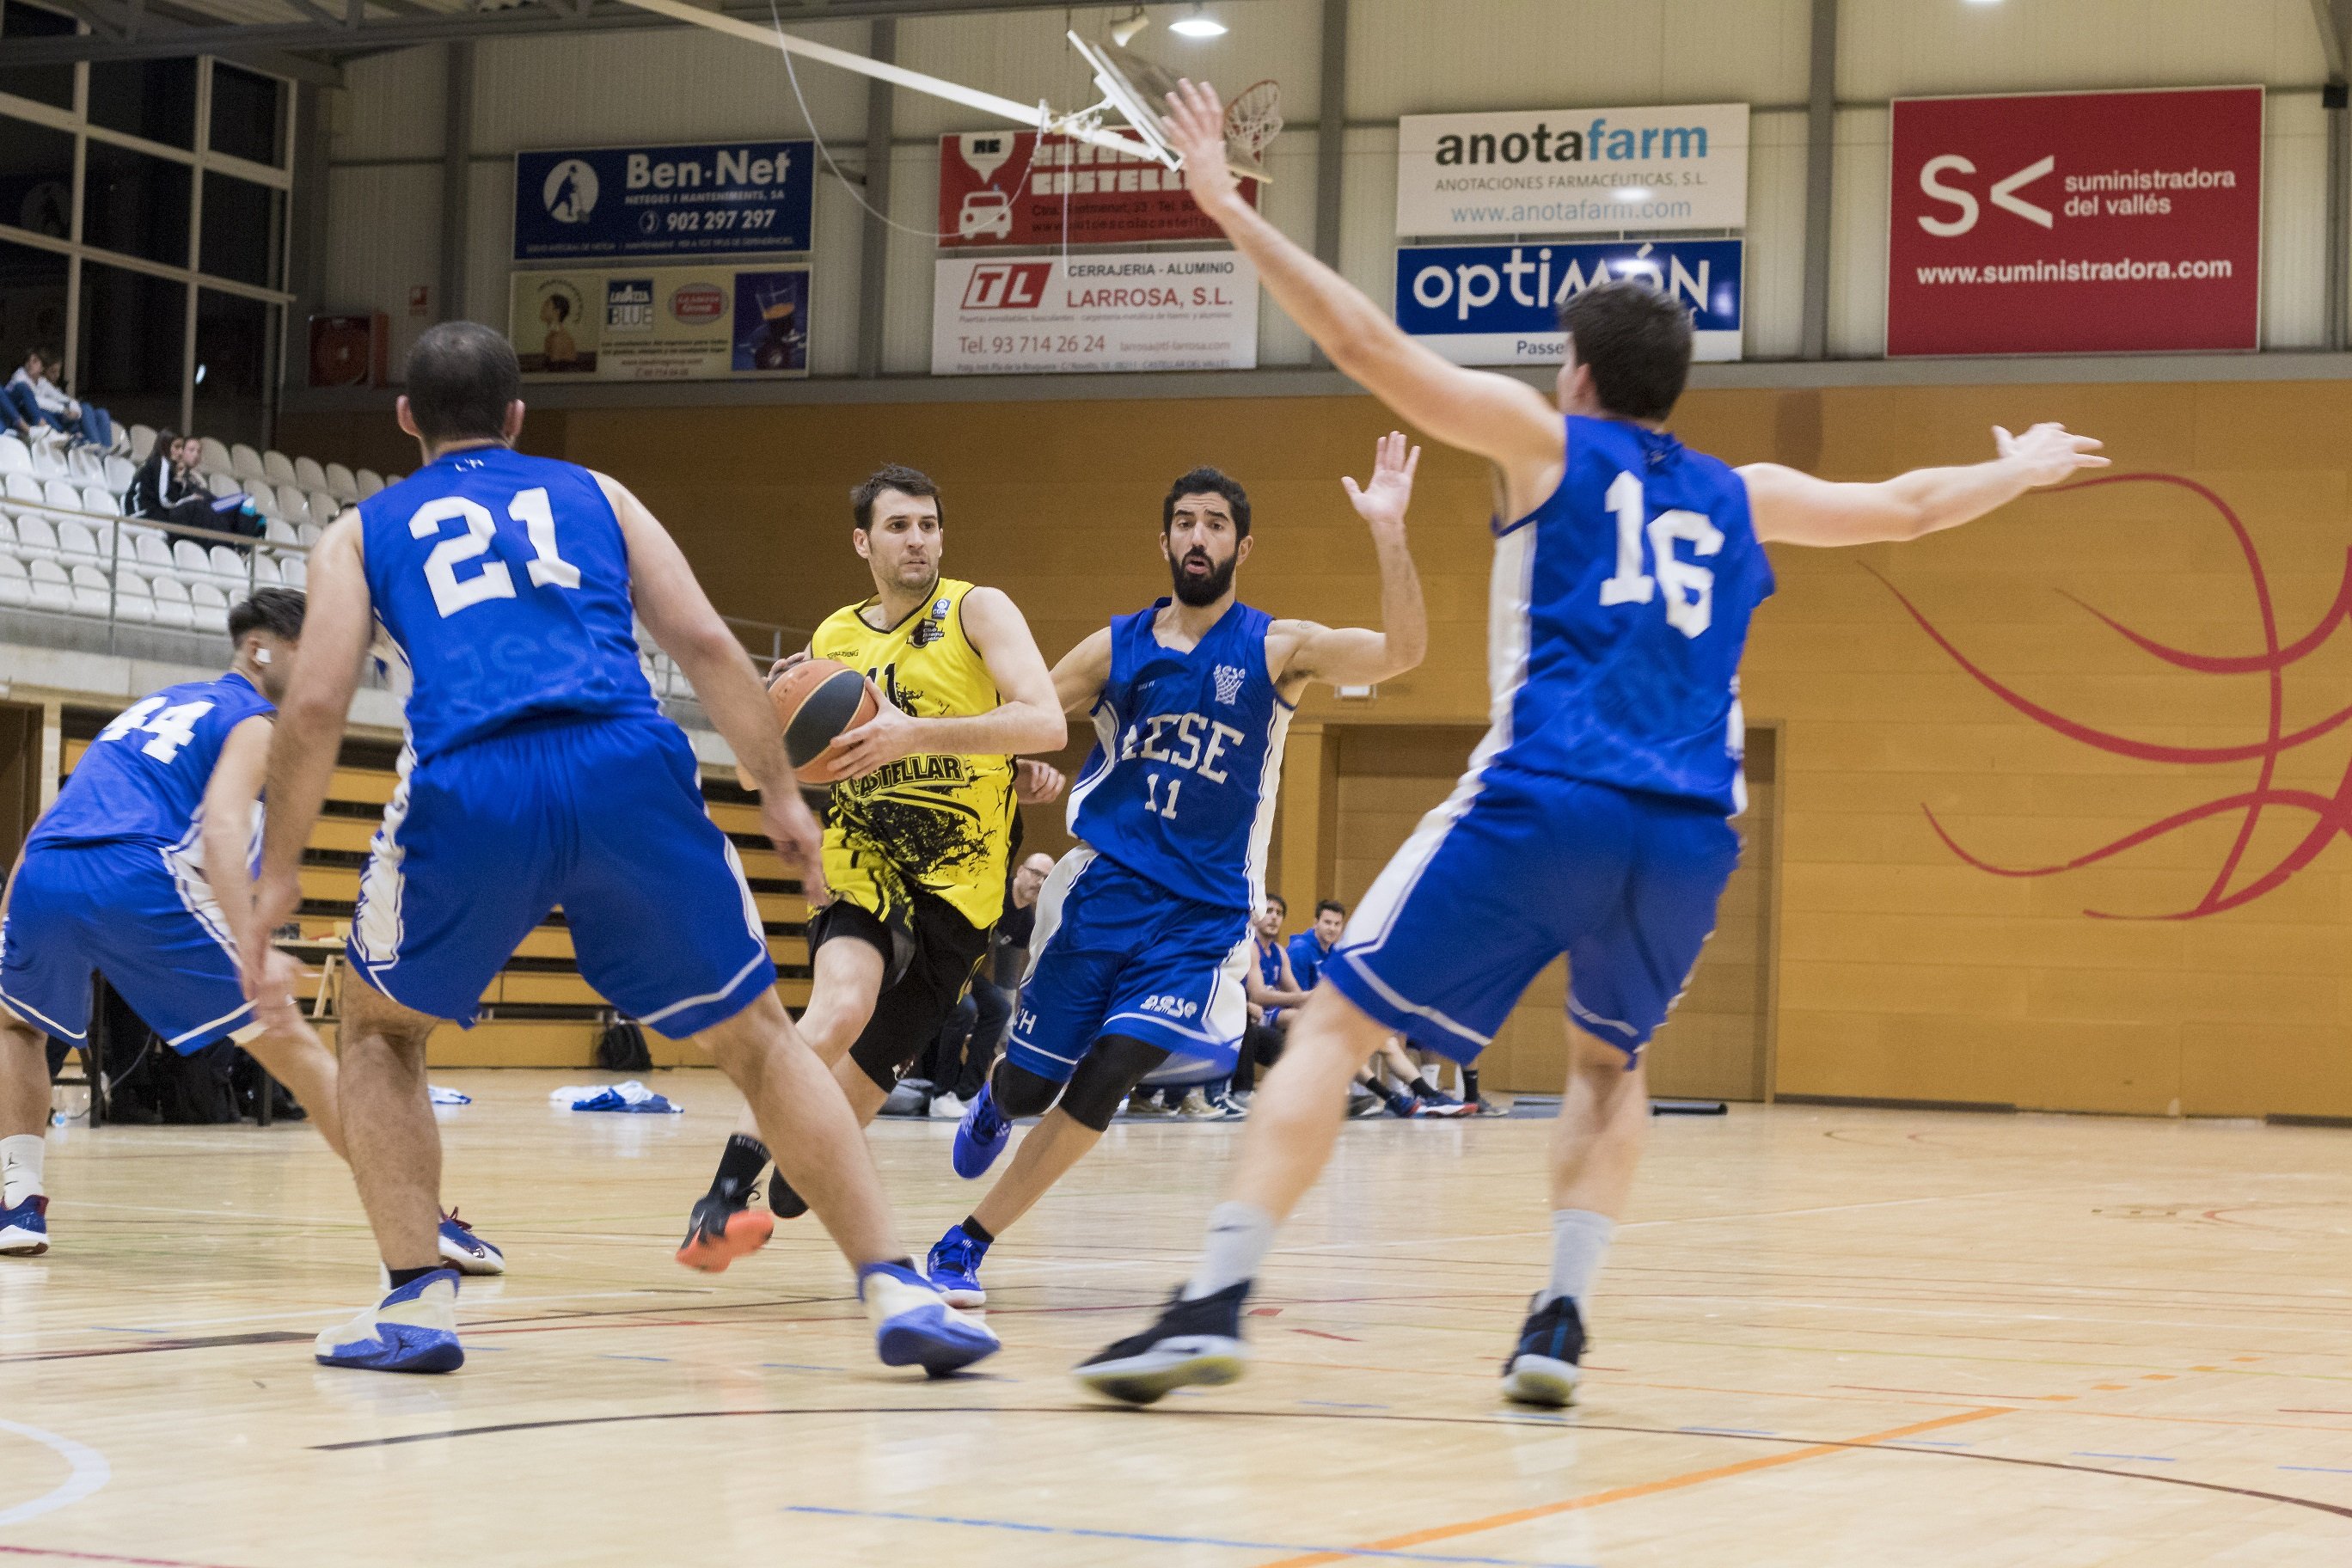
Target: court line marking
{"type": "Point", "coordinates": [64, 1555]}
{"type": "Point", "coordinates": [88, 1467]}
{"type": "Point", "coordinates": [1641, 1489]}
{"type": "Point", "coordinates": [1147, 1538]}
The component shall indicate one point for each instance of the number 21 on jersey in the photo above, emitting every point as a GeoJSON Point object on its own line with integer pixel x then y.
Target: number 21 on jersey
{"type": "Point", "coordinates": [452, 593]}
{"type": "Point", "coordinates": [1688, 588]}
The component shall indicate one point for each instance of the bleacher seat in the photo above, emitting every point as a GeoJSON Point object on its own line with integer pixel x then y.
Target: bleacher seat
{"type": "Point", "coordinates": [76, 543]}
{"type": "Point", "coordinates": [132, 602]}
{"type": "Point", "coordinates": [171, 605]}
{"type": "Point", "coordinates": [15, 587]}
{"type": "Point", "coordinates": [52, 589]}
{"type": "Point", "coordinates": [85, 466]}
{"type": "Point", "coordinates": [280, 532]}
{"type": "Point", "coordinates": [93, 595]}
{"type": "Point", "coordinates": [62, 495]}
{"type": "Point", "coordinates": [325, 507]}
{"type": "Point", "coordinates": [294, 572]}
{"type": "Point", "coordinates": [47, 463]}
{"type": "Point", "coordinates": [120, 472]}
{"type": "Point", "coordinates": [154, 554]}
{"type": "Point", "coordinates": [143, 442]}
{"type": "Point", "coordinates": [293, 505]}
{"type": "Point", "coordinates": [36, 537]}
{"type": "Point", "coordinates": [213, 457]}
{"type": "Point", "coordinates": [245, 464]}
{"type": "Point", "coordinates": [308, 474]}
{"type": "Point", "coordinates": [223, 485]}
{"type": "Point", "coordinates": [265, 569]}
{"type": "Point", "coordinates": [228, 567]}
{"type": "Point", "coordinates": [369, 482]}
{"type": "Point", "coordinates": [278, 468]}
{"type": "Point", "coordinates": [24, 487]}
{"type": "Point", "coordinates": [99, 500]}
{"type": "Point", "coordinates": [264, 500]}
{"type": "Point", "coordinates": [342, 483]}
{"type": "Point", "coordinates": [7, 534]}
{"type": "Point", "coordinates": [309, 532]}
{"type": "Point", "coordinates": [190, 559]}
{"type": "Point", "coordinates": [209, 603]}
{"type": "Point", "coordinates": [13, 457]}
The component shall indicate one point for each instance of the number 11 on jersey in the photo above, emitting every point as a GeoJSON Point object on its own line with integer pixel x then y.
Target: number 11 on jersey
{"type": "Point", "coordinates": [1151, 795]}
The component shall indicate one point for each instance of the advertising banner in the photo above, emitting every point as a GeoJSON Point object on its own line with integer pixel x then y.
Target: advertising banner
{"type": "Point", "coordinates": [1006, 187]}
{"type": "Point", "coordinates": [2077, 223]}
{"type": "Point", "coordinates": [1192, 309]}
{"type": "Point", "coordinates": [706, 199]}
{"type": "Point", "coordinates": [661, 323]}
{"type": "Point", "coordinates": [1499, 304]}
{"type": "Point", "coordinates": [1572, 171]}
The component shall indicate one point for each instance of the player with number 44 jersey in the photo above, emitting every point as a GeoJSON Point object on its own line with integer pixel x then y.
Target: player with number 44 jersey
{"type": "Point", "coordinates": [1142, 945]}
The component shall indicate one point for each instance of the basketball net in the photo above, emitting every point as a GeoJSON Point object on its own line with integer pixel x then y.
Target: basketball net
{"type": "Point", "coordinates": [1253, 120]}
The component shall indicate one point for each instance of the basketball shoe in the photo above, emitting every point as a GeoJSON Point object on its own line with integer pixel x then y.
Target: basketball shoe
{"type": "Point", "coordinates": [981, 1136]}
{"type": "Point", "coordinates": [913, 1325]}
{"type": "Point", "coordinates": [467, 1253]}
{"type": "Point", "coordinates": [24, 1229]}
{"type": "Point", "coordinates": [954, 1268]}
{"type": "Point", "coordinates": [1544, 1370]}
{"type": "Point", "coordinates": [414, 1329]}
{"type": "Point", "coordinates": [722, 1230]}
{"type": "Point", "coordinates": [1197, 1342]}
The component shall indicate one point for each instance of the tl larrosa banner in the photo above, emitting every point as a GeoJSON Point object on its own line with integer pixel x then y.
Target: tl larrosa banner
{"type": "Point", "coordinates": [707, 199]}
{"type": "Point", "coordinates": [2077, 223]}
{"type": "Point", "coordinates": [1194, 309]}
{"type": "Point", "coordinates": [1499, 304]}
{"type": "Point", "coordinates": [1006, 187]}
{"type": "Point", "coordinates": [661, 323]}
{"type": "Point", "coordinates": [1572, 171]}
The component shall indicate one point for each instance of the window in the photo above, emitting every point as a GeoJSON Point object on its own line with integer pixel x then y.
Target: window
{"type": "Point", "coordinates": [248, 115]}
{"type": "Point", "coordinates": [243, 231]}
{"type": "Point", "coordinates": [134, 203]}
{"type": "Point", "coordinates": [37, 178]}
{"type": "Point", "coordinates": [133, 338]}
{"type": "Point", "coordinates": [32, 303]}
{"type": "Point", "coordinates": [154, 99]}
{"type": "Point", "coordinates": [52, 85]}
{"type": "Point", "coordinates": [234, 352]}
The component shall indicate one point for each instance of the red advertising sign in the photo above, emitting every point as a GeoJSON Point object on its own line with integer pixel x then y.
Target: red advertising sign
{"type": "Point", "coordinates": [2077, 223]}
{"type": "Point", "coordinates": [1003, 187]}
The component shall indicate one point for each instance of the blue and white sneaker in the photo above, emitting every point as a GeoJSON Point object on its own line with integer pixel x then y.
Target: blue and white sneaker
{"type": "Point", "coordinates": [954, 1269]}
{"type": "Point", "coordinates": [467, 1253]}
{"type": "Point", "coordinates": [414, 1329]}
{"type": "Point", "coordinates": [24, 1229]}
{"type": "Point", "coordinates": [1195, 1342]}
{"type": "Point", "coordinates": [981, 1136]}
{"type": "Point", "coordinates": [1544, 1369]}
{"type": "Point", "coordinates": [913, 1324]}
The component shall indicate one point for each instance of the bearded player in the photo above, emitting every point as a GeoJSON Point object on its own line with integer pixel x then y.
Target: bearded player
{"type": "Point", "coordinates": [1594, 819]}
{"type": "Point", "coordinates": [1143, 945]}
{"type": "Point", "coordinates": [917, 835]}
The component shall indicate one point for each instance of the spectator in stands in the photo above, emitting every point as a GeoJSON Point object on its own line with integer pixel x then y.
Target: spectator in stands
{"type": "Point", "coordinates": [1272, 990]}
{"type": "Point", "coordinates": [166, 488]}
{"type": "Point", "coordinates": [38, 400]}
{"type": "Point", "coordinates": [1412, 1094]}
{"type": "Point", "coordinates": [1310, 947]}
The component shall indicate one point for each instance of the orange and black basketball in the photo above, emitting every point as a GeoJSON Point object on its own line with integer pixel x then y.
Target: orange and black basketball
{"type": "Point", "coordinates": [815, 701]}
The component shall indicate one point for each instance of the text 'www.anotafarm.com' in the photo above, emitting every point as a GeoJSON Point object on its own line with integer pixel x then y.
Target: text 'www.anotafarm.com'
{"type": "Point", "coordinates": [2077, 271]}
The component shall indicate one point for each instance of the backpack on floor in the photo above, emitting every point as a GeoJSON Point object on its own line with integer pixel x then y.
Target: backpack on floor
{"type": "Point", "coordinates": [621, 1047]}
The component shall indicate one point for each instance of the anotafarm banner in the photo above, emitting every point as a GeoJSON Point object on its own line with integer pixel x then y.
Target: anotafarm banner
{"type": "Point", "coordinates": [1572, 171]}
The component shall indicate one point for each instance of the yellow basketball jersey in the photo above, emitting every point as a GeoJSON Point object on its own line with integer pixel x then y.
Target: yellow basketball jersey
{"type": "Point", "coordinates": [941, 822]}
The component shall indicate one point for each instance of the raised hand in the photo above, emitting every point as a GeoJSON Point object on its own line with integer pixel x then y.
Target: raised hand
{"type": "Point", "coordinates": [1196, 126]}
{"type": "Point", "coordinates": [1382, 500]}
{"type": "Point", "coordinates": [2048, 454]}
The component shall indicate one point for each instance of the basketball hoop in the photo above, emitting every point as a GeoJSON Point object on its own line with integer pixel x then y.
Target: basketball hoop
{"type": "Point", "coordinates": [1253, 120]}
{"type": "Point", "coordinates": [1137, 88]}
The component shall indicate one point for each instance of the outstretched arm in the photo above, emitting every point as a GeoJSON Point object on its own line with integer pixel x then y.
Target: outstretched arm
{"type": "Point", "coordinates": [1356, 654]}
{"type": "Point", "coordinates": [1028, 719]}
{"type": "Point", "coordinates": [1079, 678]}
{"type": "Point", "coordinates": [1795, 508]}
{"type": "Point", "coordinates": [1495, 416]}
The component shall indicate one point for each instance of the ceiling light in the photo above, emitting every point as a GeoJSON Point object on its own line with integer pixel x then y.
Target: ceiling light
{"type": "Point", "coordinates": [1198, 25]}
{"type": "Point", "coordinates": [1122, 32]}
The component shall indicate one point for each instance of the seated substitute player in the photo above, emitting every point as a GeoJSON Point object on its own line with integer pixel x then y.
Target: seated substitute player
{"type": "Point", "coordinates": [138, 871]}
{"type": "Point", "coordinates": [1592, 821]}
{"type": "Point", "coordinates": [1144, 940]}
{"type": "Point", "coordinates": [918, 836]}
{"type": "Point", "coordinates": [540, 771]}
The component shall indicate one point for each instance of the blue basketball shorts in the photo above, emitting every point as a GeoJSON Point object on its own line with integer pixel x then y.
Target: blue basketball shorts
{"type": "Point", "coordinates": [602, 816]}
{"type": "Point", "coordinates": [1116, 954]}
{"type": "Point", "coordinates": [1511, 872]}
{"type": "Point", "coordinates": [139, 913]}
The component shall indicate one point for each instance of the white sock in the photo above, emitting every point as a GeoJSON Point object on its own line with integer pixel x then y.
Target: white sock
{"type": "Point", "coordinates": [1580, 1240]}
{"type": "Point", "coordinates": [20, 1168]}
{"type": "Point", "coordinates": [1240, 1236]}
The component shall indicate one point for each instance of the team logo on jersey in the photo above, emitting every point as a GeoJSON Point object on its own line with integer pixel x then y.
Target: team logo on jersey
{"type": "Point", "coordinates": [1229, 680]}
{"type": "Point", "coordinates": [928, 632]}
{"type": "Point", "coordinates": [570, 193]}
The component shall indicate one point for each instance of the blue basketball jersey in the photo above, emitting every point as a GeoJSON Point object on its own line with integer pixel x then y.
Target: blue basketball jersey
{"type": "Point", "coordinates": [1180, 787]}
{"type": "Point", "coordinates": [1619, 608]}
{"type": "Point", "coordinates": [143, 778]}
{"type": "Point", "coordinates": [502, 583]}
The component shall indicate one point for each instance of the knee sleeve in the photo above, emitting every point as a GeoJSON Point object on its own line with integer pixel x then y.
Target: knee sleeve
{"type": "Point", "coordinates": [1106, 1076]}
{"type": "Point", "coordinates": [1020, 1092]}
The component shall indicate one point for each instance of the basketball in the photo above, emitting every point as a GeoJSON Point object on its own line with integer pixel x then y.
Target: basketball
{"type": "Point", "coordinates": [815, 701]}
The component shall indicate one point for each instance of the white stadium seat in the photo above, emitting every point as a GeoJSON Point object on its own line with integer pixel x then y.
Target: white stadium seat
{"type": "Point", "coordinates": [246, 463]}
{"type": "Point", "coordinates": [52, 589]}
{"type": "Point", "coordinates": [143, 442]}
{"type": "Point", "coordinates": [264, 500]}
{"type": "Point", "coordinates": [120, 472]}
{"type": "Point", "coordinates": [154, 554]}
{"type": "Point", "coordinates": [99, 500]}
{"type": "Point", "coordinates": [85, 465]}
{"type": "Point", "coordinates": [171, 605]}
{"type": "Point", "coordinates": [36, 536]}
{"type": "Point", "coordinates": [224, 486]}
{"type": "Point", "coordinates": [15, 587]}
{"type": "Point", "coordinates": [228, 567]}
{"type": "Point", "coordinates": [308, 475]}
{"type": "Point", "coordinates": [61, 495]}
{"type": "Point", "coordinates": [190, 558]}
{"type": "Point", "coordinates": [210, 605]}
{"type": "Point", "coordinates": [278, 468]}
{"type": "Point", "coordinates": [294, 572]}
{"type": "Point", "coordinates": [343, 482]}
{"type": "Point", "coordinates": [92, 595]}
{"type": "Point", "coordinates": [13, 457]}
{"type": "Point", "coordinates": [77, 543]}
{"type": "Point", "coordinates": [212, 457]}
{"type": "Point", "coordinates": [24, 488]}
{"type": "Point", "coordinates": [47, 463]}
{"type": "Point", "coordinates": [280, 532]}
{"type": "Point", "coordinates": [265, 571]}
{"type": "Point", "coordinates": [132, 602]}
{"type": "Point", "coordinates": [293, 505]}
{"type": "Point", "coordinates": [324, 508]}
{"type": "Point", "coordinates": [369, 482]}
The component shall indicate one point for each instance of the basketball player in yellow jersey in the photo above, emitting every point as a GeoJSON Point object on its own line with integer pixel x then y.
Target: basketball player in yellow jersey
{"type": "Point", "coordinates": [918, 835]}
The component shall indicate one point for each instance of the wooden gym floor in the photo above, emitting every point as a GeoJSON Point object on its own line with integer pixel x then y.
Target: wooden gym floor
{"type": "Point", "coordinates": [1827, 1338]}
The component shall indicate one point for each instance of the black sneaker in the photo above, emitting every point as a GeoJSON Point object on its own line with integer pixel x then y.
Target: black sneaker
{"type": "Point", "coordinates": [782, 1202]}
{"type": "Point", "coordinates": [1196, 1341]}
{"type": "Point", "coordinates": [1543, 1370]}
{"type": "Point", "coordinates": [721, 1231]}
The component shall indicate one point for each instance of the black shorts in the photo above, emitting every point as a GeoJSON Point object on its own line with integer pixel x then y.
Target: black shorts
{"type": "Point", "coordinates": [929, 957]}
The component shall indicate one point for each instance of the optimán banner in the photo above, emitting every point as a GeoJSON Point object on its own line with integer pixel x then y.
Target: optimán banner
{"type": "Point", "coordinates": [1185, 309]}
{"type": "Point", "coordinates": [643, 203]}
{"type": "Point", "coordinates": [2077, 223]}
{"type": "Point", "coordinates": [1499, 304]}
{"type": "Point", "coordinates": [1003, 187]}
{"type": "Point", "coordinates": [661, 323]}
{"type": "Point", "coordinates": [1572, 171]}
